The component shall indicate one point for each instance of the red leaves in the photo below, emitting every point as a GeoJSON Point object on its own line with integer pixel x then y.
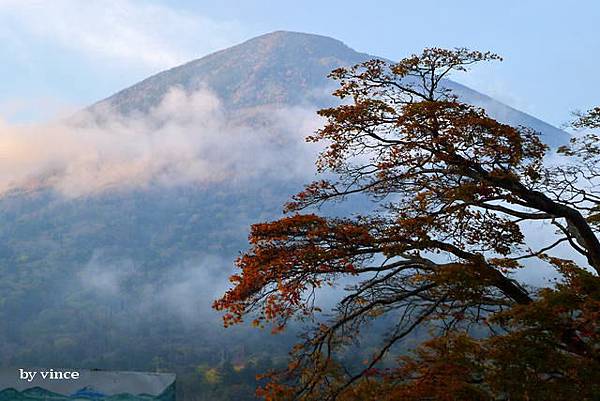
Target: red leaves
{"type": "Point", "coordinates": [289, 256]}
{"type": "Point", "coordinates": [444, 368]}
{"type": "Point", "coordinates": [505, 265]}
{"type": "Point", "coordinates": [311, 194]}
{"type": "Point", "coordinates": [590, 119]}
{"type": "Point", "coordinates": [372, 372]}
{"type": "Point", "coordinates": [449, 181]}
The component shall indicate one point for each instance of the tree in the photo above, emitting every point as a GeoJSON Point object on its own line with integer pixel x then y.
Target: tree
{"type": "Point", "coordinates": [455, 193]}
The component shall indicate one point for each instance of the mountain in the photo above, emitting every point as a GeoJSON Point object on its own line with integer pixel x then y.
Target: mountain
{"type": "Point", "coordinates": [277, 68]}
{"type": "Point", "coordinates": [84, 394]}
{"type": "Point", "coordinates": [10, 394]}
{"type": "Point", "coordinates": [42, 394]}
{"type": "Point", "coordinates": [88, 393]}
{"type": "Point", "coordinates": [124, 278]}
{"type": "Point", "coordinates": [286, 68]}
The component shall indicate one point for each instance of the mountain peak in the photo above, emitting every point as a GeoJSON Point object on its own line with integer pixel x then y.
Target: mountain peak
{"type": "Point", "coordinates": [287, 38]}
{"type": "Point", "coordinates": [280, 67]}
{"type": "Point", "coordinates": [284, 68]}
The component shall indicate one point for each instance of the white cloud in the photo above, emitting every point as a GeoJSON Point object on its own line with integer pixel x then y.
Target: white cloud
{"type": "Point", "coordinates": [133, 32]}
{"type": "Point", "coordinates": [187, 139]}
{"type": "Point", "coordinates": [185, 290]}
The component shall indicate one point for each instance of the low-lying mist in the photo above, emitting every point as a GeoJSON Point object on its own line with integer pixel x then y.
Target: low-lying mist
{"type": "Point", "coordinates": [184, 291]}
{"type": "Point", "coordinates": [188, 138]}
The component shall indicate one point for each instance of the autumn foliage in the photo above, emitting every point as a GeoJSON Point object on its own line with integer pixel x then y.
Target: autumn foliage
{"type": "Point", "coordinates": [456, 196]}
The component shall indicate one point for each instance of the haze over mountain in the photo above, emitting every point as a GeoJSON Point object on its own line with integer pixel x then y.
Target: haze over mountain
{"type": "Point", "coordinates": [115, 238]}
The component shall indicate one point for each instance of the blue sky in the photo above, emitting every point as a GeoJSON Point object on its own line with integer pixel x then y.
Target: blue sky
{"type": "Point", "coordinates": [59, 55]}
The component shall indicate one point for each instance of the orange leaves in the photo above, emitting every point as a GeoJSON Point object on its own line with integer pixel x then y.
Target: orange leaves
{"type": "Point", "coordinates": [275, 392]}
{"type": "Point", "coordinates": [435, 58]}
{"type": "Point", "coordinates": [449, 129]}
{"type": "Point", "coordinates": [451, 186]}
{"type": "Point", "coordinates": [517, 365]}
{"type": "Point", "coordinates": [505, 264]}
{"type": "Point", "coordinates": [574, 304]}
{"type": "Point", "coordinates": [442, 158]}
{"type": "Point", "coordinates": [312, 192]}
{"type": "Point", "coordinates": [445, 368]}
{"type": "Point", "coordinates": [287, 227]}
{"type": "Point", "coordinates": [287, 257]}
{"type": "Point", "coordinates": [590, 119]}
{"type": "Point", "coordinates": [551, 344]}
